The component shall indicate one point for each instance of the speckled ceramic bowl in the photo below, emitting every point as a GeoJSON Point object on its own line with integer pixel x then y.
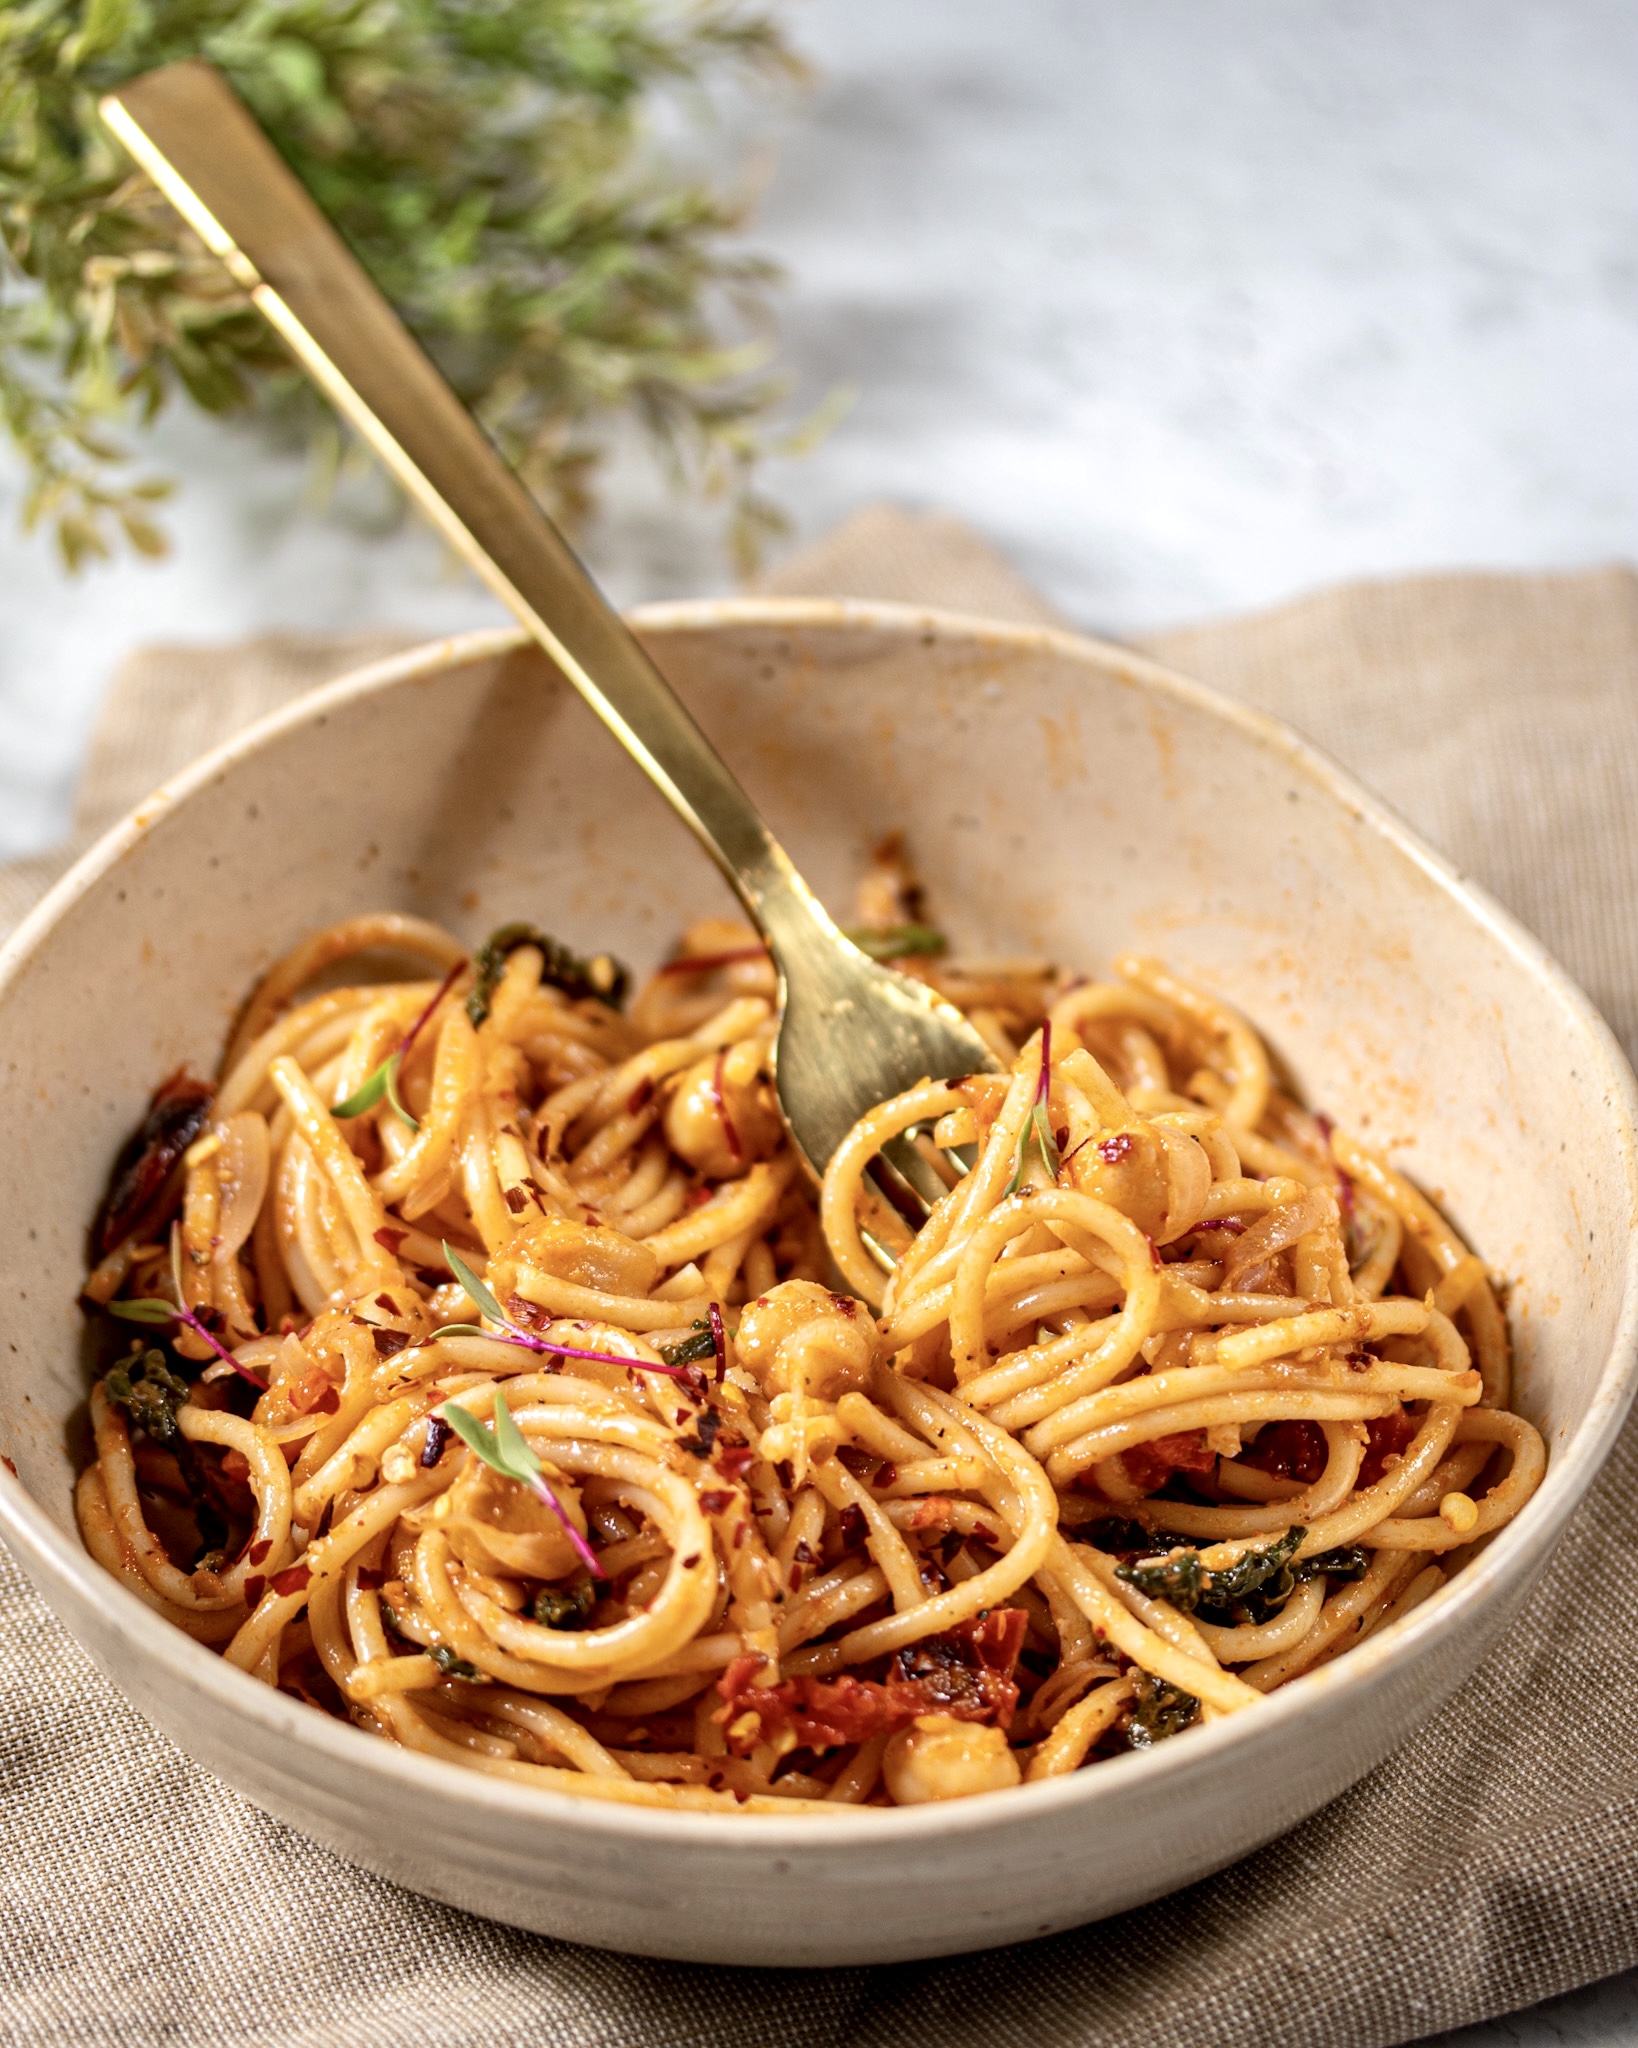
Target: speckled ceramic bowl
{"type": "Point", "coordinates": [1060, 796]}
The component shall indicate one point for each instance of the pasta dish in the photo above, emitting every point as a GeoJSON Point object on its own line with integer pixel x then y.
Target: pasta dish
{"type": "Point", "coordinates": [478, 1365]}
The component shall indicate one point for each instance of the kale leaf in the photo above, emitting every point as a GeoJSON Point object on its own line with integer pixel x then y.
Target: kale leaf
{"type": "Point", "coordinates": [567, 1607]}
{"type": "Point", "coordinates": [1161, 1710]}
{"type": "Point", "coordinates": [602, 978]}
{"type": "Point", "coordinates": [150, 1393]}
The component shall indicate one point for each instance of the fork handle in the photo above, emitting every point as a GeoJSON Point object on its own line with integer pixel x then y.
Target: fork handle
{"type": "Point", "coordinates": [188, 129]}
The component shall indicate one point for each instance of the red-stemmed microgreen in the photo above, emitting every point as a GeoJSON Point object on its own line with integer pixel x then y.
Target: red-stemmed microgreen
{"type": "Point", "coordinates": [1038, 1124]}
{"type": "Point", "coordinates": [384, 1079]}
{"type": "Point", "coordinates": [157, 1311]}
{"type": "Point", "coordinates": [508, 1331]}
{"type": "Point", "coordinates": [505, 1450]}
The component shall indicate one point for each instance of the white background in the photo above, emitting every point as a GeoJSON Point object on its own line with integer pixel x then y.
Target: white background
{"type": "Point", "coordinates": [1189, 304]}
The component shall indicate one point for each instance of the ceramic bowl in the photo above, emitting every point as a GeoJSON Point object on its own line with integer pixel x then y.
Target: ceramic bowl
{"type": "Point", "coordinates": [1060, 797]}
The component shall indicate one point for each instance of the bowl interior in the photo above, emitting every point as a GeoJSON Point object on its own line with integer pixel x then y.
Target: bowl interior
{"type": "Point", "coordinates": [1059, 797]}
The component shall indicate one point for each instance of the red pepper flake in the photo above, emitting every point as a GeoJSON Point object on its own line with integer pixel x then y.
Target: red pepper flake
{"type": "Point", "coordinates": [844, 1305]}
{"type": "Point", "coordinates": [935, 1512]}
{"type": "Point", "coordinates": [714, 1501]}
{"type": "Point", "coordinates": [1113, 1150]}
{"type": "Point", "coordinates": [388, 1343]}
{"type": "Point", "coordinates": [739, 1533]}
{"type": "Point", "coordinates": [691, 1560]}
{"type": "Point", "coordinates": [886, 1475]}
{"type": "Point", "coordinates": [370, 1580]}
{"type": "Point", "coordinates": [698, 1197]}
{"type": "Point", "coordinates": [10, 1467]}
{"type": "Point", "coordinates": [733, 1460]}
{"type": "Point", "coordinates": [257, 1553]}
{"type": "Point", "coordinates": [736, 1151]}
{"type": "Point", "coordinates": [515, 1199]}
{"type": "Point", "coordinates": [985, 1533]}
{"type": "Point", "coordinates": [438, 1435]}
{"type": "Point", "coordinates": [853, 1526]}
{"type": "Point", "coordinates": [802, 1554]}
{"type": "Point", "coordinates": [640, 1097]}
{"type": "Point", "coordinates": [386, 1301]}
{"type": "Point", "coordinates": [293, 1580]}
{"type": "Point", "coordinates": [391, 1240]}
{"type": "Point", "coordinates": [255, 1586]}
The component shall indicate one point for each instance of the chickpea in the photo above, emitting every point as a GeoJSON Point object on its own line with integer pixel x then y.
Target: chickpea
{"type": "Point", "coordinates": [799, 1338]}
{"type": "Point", "coordinates": [938, 1757]}
{"type": "Point", "coordinates": [722, 1116]}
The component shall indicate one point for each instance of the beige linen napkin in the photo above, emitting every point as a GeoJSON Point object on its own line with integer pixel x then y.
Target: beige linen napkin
{"type": "Point", "coordinates": [1491, 1862]}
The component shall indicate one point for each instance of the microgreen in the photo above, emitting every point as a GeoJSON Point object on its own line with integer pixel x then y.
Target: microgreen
{"type": "Point", "coordinates": [602, 978]}
{"type": "Point", "coordinates": [384, 1080]}
{"type": "Point", "coordinates": [506, 1451]}
{"type": "Point", "coordinates": [1038, 1124]}
{"type": "Point", "coordinates": [898, 942]}
{"type": "Point", "coordinates": [155, 1311]}
{"type": "Point", "coordinates": [510, 1332]}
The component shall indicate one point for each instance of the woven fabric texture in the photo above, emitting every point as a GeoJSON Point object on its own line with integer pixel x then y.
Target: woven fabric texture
{"type": "Point", "coordinates": [1492, 1862]}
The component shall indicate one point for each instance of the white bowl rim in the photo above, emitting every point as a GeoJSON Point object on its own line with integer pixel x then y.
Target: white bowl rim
{"type": "Point", "coordinates": [1570, 1474]}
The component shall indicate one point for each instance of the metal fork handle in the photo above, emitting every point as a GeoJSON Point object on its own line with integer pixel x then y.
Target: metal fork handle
{"type": "Point", "coordinates": [188, 129]}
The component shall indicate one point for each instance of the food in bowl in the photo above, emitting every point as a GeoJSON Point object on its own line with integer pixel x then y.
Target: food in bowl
{"type": "Point", "coordinates": [499, 1393]}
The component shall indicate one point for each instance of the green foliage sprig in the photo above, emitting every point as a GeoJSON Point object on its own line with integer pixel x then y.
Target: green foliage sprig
{"type": "Point", "coordinates": [489, 160]}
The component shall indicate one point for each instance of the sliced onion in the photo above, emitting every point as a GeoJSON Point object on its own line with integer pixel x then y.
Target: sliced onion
{"type": "Point", "coordinates": [244, 1164]}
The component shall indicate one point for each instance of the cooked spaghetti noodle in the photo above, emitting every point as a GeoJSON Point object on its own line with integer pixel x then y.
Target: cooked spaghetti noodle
{"type": "Point", "coordinates": [510, 1393]}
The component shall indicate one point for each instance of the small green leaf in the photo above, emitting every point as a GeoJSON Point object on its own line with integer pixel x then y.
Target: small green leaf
{"type": "Point", "coordinates": [144, 1311]}
{"type": "Point", "coordinates": [451, 1665]}
{"type": "Point", "coordinates": [509, 1441]}
{"type": "Point", "coordinates": [367, 1094]}
{"type": "Point", "coordinates": [474, 1286]}
{"type": "Point", "coordinates": [473, 1434]}
{"type": "Point", "coordinates": [392, 1092]}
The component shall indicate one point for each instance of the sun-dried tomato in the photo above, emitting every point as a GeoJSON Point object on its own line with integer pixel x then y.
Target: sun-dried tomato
{"type": "Point", "coordinates": [1288, 1450]}
{"type": "Point", "coordinates": [965, 1673]}
{"type": "Point", "coordinates": [176, 1116]}
{"type": "Point", "coordinates": [1152, 1464]}
{"type": "Point", "coordinates": [1389, 1436]}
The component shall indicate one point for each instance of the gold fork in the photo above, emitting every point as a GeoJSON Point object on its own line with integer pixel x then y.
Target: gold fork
{"type": "Point", "coordinates": [851, 1033]}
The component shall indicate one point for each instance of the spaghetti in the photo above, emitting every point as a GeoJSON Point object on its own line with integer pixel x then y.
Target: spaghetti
{"type": "Point", "coordinates": [508, 1391]}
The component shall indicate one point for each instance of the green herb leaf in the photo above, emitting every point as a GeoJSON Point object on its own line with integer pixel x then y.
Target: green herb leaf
{"type": "Point", "coordinates": [150, 1393]}
{"type": "Point", "coordinates": [509, 1441]}
{"type": "Point", "coordinates": [899, 941]}
{"type": "Point", "coordinates": [475, 1288]}
{"type": "Point", "coordinates": [601, 978]}
{"type": "Point", "coordinates": [367, 1094]}
{"type": "Point", "coordinates": [451, 1665]}
{"type": "Point", "coordinates": [399, 1110]}
{"type": "Point", "coordinates": [694, 1349]}
{"type": "Point", "coordinates": [1161, 1710]}
{"type": "Point", "coordinates": [566, 1607]}
{"type": "Point", "coordinates": [383, 1081]}
{"type": "Point", "coordinates": [143, 1311]}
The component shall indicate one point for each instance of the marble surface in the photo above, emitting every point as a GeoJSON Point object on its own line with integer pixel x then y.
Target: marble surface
{"type": "Point", "coordinates": [1189, 305]}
